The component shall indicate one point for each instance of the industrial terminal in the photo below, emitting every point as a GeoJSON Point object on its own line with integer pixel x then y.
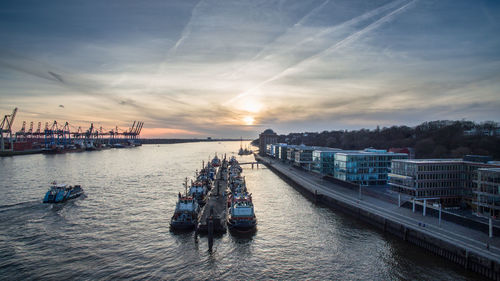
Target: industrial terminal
{"type": "Point", "coordinates": [57, 137]}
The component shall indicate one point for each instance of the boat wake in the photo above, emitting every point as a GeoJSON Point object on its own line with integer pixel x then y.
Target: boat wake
{"type": "Point", "coordinates": [20, 205]}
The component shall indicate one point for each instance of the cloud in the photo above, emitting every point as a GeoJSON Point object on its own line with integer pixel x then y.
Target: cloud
{"type": "Point", "coordinates": [339, 44]}
{"type": "Point", "coordinates": [204, 66]}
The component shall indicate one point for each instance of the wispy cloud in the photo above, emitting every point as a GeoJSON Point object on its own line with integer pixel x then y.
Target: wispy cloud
{"type": "Point", "coordinates": [206, 66]}
{"type": "Point", "coordinates": [339, 44]}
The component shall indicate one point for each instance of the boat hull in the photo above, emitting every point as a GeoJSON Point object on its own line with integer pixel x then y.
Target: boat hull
{"type": "Point", "coordinates": [242, 225]}
{"type": "Point", "coordinates": [182, 226]}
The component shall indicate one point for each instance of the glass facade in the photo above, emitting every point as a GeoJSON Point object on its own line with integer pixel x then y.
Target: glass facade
{"type": "Point", "coordinates": [449, 181]}
{"type": "Point", "coordinates": [486, 200]}
{"type": "Point", "coordinates": [324, 161]}
{"type": "Point", "coordinates": [369, 167]}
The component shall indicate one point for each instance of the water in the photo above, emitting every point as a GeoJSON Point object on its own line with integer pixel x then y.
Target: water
{"type": "Point", "coordinates": [119, 229]}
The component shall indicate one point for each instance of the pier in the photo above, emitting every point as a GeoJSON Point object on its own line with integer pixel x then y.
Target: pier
{"type": "Point", "coordinates": [470, 248]}
{"type": "Point", "coordinates": [215, 210]}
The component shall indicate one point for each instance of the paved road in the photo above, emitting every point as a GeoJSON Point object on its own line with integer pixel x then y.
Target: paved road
{"type": "Point", "coordinates": [470, 239]}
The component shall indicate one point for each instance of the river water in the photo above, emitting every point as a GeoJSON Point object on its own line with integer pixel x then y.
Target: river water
{"type": "Point", "coordinates": [119, 229]}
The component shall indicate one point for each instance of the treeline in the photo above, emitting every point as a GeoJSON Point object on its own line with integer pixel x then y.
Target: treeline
{"type": "Point", "coordinates": [436, 139]}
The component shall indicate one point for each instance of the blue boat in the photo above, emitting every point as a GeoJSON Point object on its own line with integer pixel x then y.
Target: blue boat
{"type": "Point", "coordinates": [59, 193]}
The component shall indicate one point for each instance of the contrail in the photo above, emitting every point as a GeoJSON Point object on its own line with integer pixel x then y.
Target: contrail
{"type": "Point", "coordinates": [352, 37]}
{"type": "Point", "coordinates": [352, 21]}
{"type": "Point", "coordinates": [288, 31]}
{"type": "Point", "coordinates": [186, 31]}
{"type": "Point", "coordinates": [311, 13]}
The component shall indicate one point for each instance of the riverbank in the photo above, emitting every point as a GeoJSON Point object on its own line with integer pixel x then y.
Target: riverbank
{"type": "Point", "coordinates": [470, 248]}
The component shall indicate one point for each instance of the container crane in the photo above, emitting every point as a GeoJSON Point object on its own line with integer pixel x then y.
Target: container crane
{"type": "Point", "coordinates": [6, 130]}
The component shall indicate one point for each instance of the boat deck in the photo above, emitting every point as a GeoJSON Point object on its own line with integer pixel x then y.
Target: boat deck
{"type": "Point", "coordinates": [216, 203]}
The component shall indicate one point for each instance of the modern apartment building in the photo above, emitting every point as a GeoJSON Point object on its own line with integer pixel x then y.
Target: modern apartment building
{"type": "Point", "coordinates": [367, 167]}
{"type": "Point", "coordinates": [324, 160]}
{"type": "Point", "coordinates": [448, 181]}
{"type": "Point", "coordinates": [486, 195]}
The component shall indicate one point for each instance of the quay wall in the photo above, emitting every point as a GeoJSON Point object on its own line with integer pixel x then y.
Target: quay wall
{"type": "Point", "coordinates": [455, 253]}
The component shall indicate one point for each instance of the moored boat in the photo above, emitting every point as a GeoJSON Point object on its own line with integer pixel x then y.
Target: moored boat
{"type": "Point", "coordinates": [186, 212]}
{"type": "Point", "coordinates": [198, 191]}
{"type": "Point", "coordinates": [59, 193]}
{"type": "Point", "coordinates": [216, 161]}
{"type": "Point", "coordinates": [241, 214]}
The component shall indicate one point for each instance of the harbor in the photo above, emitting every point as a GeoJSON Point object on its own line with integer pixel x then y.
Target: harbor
{"type": "Point", "coordinates": [57, 138]}
{"type": "Point", "coordinates": [120, 229]}
{"type": "Point", "coordinates": [221, 192]}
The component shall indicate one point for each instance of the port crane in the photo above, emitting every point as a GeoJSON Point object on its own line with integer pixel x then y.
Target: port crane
{"type": "Point", "coordinates": [56, 134]}
{"type": "Point", "coordinates": [6, 130]}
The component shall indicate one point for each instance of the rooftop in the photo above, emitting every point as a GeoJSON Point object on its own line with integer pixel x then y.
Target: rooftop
{"type": "Point", "coordinates": [432, 161]}
{"type": "Point", "coordinates": [497, 170]}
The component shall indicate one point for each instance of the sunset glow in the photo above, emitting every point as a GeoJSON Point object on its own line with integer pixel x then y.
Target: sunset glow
{"type": "Point", "coordinates": [233, 68]}
{"type": "Point", "coordinates": [249, 120]}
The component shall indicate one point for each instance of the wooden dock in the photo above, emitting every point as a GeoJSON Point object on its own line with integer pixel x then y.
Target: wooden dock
{"type": "Point", "coordinates": [216, 206]}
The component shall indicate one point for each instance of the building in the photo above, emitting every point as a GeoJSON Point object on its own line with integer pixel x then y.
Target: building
{"type": "Point", "coordinates": [274, 150]}
{"type": "Point", "coordinates": [324, 160]}
{"type": "Point", "coordinates": [290, 153]}
{"type": "Point", "coordinates": [269, 149]}
{"type": "Point", "coordinates": [448, 181]}
{"type": "Point", "coordinates": [367, 167]}
{"type": "Point", "coordinates": [408, 150]}
{"type": "Point", "coordinates": [303, 157]}
{"type": "Point", "coordinates": [265, 138]}
{"type": "Point", "coordinates": [486, 200]}
{"type": "Point", "coordinates": [283, 148]}
{"type": "Point", "coordinates": [432, 179]}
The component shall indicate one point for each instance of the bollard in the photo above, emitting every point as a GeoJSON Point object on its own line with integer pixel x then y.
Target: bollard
{"type": "Point", "coordinates": [490, 227]}
{"type": "Point", "coordinates": [440, 207]}
{"type": "Point", "coordinates": [210, 224]}
{"type": "Point", "coordinates": [210, 233]}
{"type": "Point", "coordinates": [196, 233]}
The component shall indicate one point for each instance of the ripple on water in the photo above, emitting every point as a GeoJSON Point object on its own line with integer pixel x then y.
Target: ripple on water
{"type": "Point", "coordinates": [120, 228]}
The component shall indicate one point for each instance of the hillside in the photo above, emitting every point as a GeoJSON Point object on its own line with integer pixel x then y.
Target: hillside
{"type": "Point", "coordinates": [436, 139]}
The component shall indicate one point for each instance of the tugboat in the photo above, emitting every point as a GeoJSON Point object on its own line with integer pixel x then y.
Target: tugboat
{"type": "Point", "coordinates": [186, 212]}
{"type": "Point", "coordinates": [241, 214]}
{"type": "Point", "coordinates": [198, 191]}
{"type": "Point", "coordinates": [59, 193]}
{"type": "Point", "coordinates": [216, 161]}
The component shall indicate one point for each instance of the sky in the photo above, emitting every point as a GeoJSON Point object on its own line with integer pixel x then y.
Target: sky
{"type": "Point", "coordinates": [196, 69]}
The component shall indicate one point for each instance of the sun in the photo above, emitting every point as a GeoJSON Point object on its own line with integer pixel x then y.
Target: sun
{"type": "Point", "coordinates": [249, 120]}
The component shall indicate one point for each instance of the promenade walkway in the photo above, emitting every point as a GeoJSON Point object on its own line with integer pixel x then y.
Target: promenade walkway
{"type": "Point", "coordinates": [467, 238]}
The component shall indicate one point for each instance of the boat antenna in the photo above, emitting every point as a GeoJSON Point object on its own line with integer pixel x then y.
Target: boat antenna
{"type": "Point", "coordinates": [186, 186]}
